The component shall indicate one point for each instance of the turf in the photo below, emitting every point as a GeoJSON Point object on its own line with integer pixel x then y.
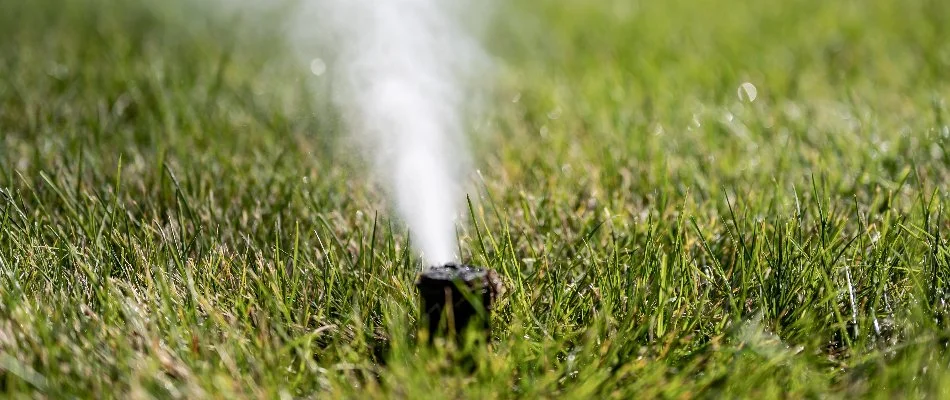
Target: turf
{"type": "Point", "coordinates": [182, 216]}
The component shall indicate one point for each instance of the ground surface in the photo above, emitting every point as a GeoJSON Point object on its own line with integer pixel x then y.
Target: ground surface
{"type": "Point", "coordinates": [179, 216]}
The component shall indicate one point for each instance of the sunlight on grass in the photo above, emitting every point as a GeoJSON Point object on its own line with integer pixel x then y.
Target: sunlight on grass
{"type": "Point", "coordinates": [180, 216]}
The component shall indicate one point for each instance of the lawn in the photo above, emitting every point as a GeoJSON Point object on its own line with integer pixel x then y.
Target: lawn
{"type": "Point", "coordinates": [182, 214]}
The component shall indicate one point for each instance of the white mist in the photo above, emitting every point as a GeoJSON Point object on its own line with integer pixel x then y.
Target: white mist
{"type": "Point", "coordinates": [400, 71]}
{"type": "Point", "coordinates": [401, 74]}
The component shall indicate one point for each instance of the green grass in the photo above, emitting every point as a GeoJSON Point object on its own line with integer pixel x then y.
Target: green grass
{"type": "Point", "coordinates": [180, 215]}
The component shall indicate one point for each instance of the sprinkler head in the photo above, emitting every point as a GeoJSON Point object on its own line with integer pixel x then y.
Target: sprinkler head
{"type": "Point", "coordinates": [458, 297]}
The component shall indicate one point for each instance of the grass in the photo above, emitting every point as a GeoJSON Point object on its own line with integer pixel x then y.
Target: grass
{"type": "Point", "coordinates": [181, 217]}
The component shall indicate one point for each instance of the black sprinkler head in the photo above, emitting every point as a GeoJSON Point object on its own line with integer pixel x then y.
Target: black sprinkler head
{"type": "Point", "coordinates": [458, 297]}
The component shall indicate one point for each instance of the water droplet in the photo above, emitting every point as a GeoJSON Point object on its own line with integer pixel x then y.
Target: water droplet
{"type": "Point", "coordinates": [747, 92]}
{"type": "Point", "coordinates": [517, 98]}
{"type": "Point", "coordinates": [555, 113]}
{"type": "Point", "coordinates": [318, 67]}
{"type": "Point", "coordinates": [58, 71]}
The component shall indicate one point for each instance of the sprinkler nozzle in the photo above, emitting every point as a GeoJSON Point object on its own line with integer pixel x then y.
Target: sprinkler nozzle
{"type": "Point", "coordinates": [458, 297]}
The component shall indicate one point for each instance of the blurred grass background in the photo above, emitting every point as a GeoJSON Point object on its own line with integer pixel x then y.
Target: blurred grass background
{"type": "Point", "coordinates": [181, 215]}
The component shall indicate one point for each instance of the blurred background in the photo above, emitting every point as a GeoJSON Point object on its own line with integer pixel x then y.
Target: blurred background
{"type": "Point", "coordinates": [684, 194]}
{"type": "Point", "coordinates": [625, 95]}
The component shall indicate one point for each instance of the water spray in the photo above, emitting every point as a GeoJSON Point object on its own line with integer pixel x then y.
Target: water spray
{"type": "Point", "coordinates": [401, 75]}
